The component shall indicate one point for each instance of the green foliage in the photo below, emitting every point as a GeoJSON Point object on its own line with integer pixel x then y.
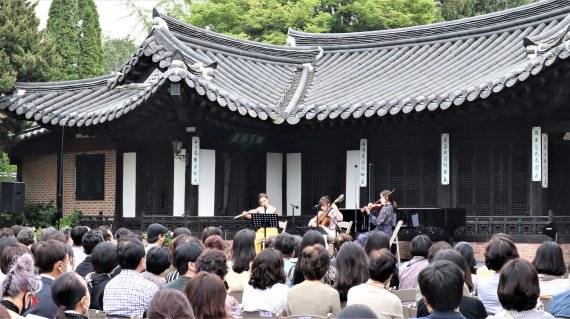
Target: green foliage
{"type": "Point", "coordinates": [458, 9]}
{"type": "Point", "coordinates": [6, 169]}
{"type": "Point", "coordinates": [70, 220]}
{"type": "Point", "coordinates": [25, 53]}
{"type": "Point", "coordinates": [74, 26]}
{"type": "Point", "coordinates": [6, 219]}
{"type": "Point", "coordinates": [116, 52]}
{"type": "Point", "coordinates": [39, 215]}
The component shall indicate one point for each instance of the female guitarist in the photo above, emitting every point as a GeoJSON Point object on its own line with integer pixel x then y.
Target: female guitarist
{"type": "Point", "coordinates": [327, 222]}
{"type": "Point", "coordinates": [380, 215]}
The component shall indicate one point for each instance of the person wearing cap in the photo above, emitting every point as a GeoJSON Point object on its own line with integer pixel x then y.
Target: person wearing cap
{"type": "Point", "coordinates": [155, 236]}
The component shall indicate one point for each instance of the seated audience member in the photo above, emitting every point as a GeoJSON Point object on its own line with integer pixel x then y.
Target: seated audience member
{"type": "Point", "coordinates": [51, 259]}
{"type": "Point", "coordinates": [441, 284]}
{"type": "Point", "coordinates": [207, 294]}
{"type": "Point", "coordinates": [376, 241]}
{"type": "Point", "coordinates": [155, 236]}
{"type": "Point", "coordinates": [123, 234]}
{"type": "Point", "coordinates": [519, 291]}
{"type": "Point", "coordinates": [215, 242]}
{"type": "Point", "coordinates": [157, 262]}
{"type": "Point", "coordinates": [351, 268]}
{"type": "Point", "coordinates": [559, 305]}
{"type": "Point", "coordinates": [466, 250]}
{"type": "Point", "coordinates": [285, 243]}
{"type": "Point", "coordinates": [266, 289]}
{"type": "Point", "coordinates": [185, 256]}
{"type": "Point", "coordinates": [373, 293]}
{"type": "Point", "coordinates": [311, 238]}
{"type": "Point", "coordinates": [181, 231]}
{"type": "Point", "coordinates": [27, 236]}
{"type": "Point", "coordinates": [106, 233]}
{"type": "Point", "coordinates": [357, 311]}
{"type": "Point", "coordinates": [20, 285]}
{"type": "Point", "coordinates": [436, 248]}
{"type": "Point", "coordinates": [498, 251]}
{"type": "Point", "coordinates": [311, 297]}
{"type": "Point", "coordinates": [91, 239]}
{"type": "Point", "coordinates": [470, 308]}
{"type": "Point", "coordinates": [215, 262]}
{"type": "Point", "coordinates": [104, 259]}
{"type": "Point", "coordinates": [243, 253]}
{"type": "Point", "coordinates": [210, 231]}
{"type": "Point", "coordinates": [77, 233]}
{"type": "Point", "coordinates": [127, 294]}
{"type": "Point", "coordinates": [337, 243]}
{"type": "Point", "coordinates": [70, 294]}
{"type": "Point", "coordinates": [549, 263]}
{"type": "Point", "coordinates": [408, 272]}
{"type": "Point", "coordinates": [178, 240]}
{"type": "Point", "coordinates": [171, 304]}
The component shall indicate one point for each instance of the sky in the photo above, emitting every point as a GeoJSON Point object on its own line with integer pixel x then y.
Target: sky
{"type": "Point", "coordinates": [113, 17]}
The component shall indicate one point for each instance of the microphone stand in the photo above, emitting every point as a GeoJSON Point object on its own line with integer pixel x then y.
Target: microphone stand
{"type": "Point", "coordinates": [355, 202]}
{"type": "Point", "coordinates": [293, 211]}
{"type": "Point", "coordinates": [264, 226]}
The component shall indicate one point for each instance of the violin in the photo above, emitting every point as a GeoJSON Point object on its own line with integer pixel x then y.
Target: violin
{"type": "Point", "coordinates": [370, 208]}
{"type": "Point", "coordinates": [323, 218]}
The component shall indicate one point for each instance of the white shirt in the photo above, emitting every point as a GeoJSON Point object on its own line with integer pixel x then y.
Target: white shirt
{"type": "Point", "coordinates": [272, 299]}
{"type": "Point", "coordinates": [487, 293]}
{"type": "Point", "coordinates": [78, 255]}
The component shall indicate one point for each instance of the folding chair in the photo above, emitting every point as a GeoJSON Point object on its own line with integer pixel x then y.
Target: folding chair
{"type": "Point", "coordinates": [394, 240]}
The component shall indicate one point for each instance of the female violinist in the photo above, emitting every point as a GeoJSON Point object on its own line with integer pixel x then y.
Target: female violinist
{"type": "Point", "coordinates": [264, 208]}
{"type": "Point", "coordinates": [381, 218]}
{"type": "Point", "coordinates": [328, 223]}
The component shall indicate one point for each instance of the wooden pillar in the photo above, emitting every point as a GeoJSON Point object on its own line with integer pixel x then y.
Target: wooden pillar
{"type": "Point", "coordinates": [536, 200]}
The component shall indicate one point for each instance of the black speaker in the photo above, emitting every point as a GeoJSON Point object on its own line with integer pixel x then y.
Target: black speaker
{"type": "Point", "coordinates": [13, 195]}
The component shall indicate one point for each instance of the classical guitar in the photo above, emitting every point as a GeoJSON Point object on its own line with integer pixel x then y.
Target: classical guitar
{"type": "Point", "coordinates": [323, 219]}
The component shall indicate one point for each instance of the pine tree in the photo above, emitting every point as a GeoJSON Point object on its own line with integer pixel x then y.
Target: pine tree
{"type": "Point", "coordinates": [74, 26]}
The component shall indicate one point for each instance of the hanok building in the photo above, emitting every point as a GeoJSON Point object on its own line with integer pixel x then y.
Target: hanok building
{"type": "Point", "coordinates": [469, 114]}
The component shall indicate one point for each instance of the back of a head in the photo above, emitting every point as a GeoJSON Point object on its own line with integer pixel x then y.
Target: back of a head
{"type": "Point", "coordinates": [90, 240]}
{"type": "Point", "coordinates": [129, 253]}
{"type": "Point", "coordinates": [157, 260]}
{"type": "Point", "coordinates": [267, 269]}
{"type": "Point", "coordinates": [47, 253]}
{"type": "Point", "coordinates": [312, 237]}
{"type": "Point", "coordinates": [357, 311]}
{"type": "Point", "coordinates": [243, 250]}
{"type": "Point", "coordinates": [68, 290]}
{"type": "Point", "coordinates": [215, 242]}
{"type": "Point", "coordinates": [16, 229]}
{"type": "Point", "coordinates": [7, 241]}
{"type": "Point", "coordinates": [549, 259]}
{"type": "Point", "coordinates": [210, 231]}
{"type": "Point", "coordinates": [21, 276]}
{"type": "Point", "coordinates": [106, 233]}
{"type": "Point", "coordinates": [498, 251]}
{"type": "Point", "coordinates": [381, 265]}
{"type": "Point", "coordinates": [77, 233]}
{"type": "Point", "coordinates": [185, 253]}
{"type": "Point", "coordinates": [441, 283]}
{"type": "Point", "coordinates": [169, 303]}
{"type": "Point", "coordinates": [26, 236]}
{"type": "Point", "coordinates": [10, 254]}
{"type": "Point", "coordinates": [212, 261]}
{"type": "Point", "coordinates": [285, 243]}
{"type": "Point", "coordinates": [465, 249]}
{"type": "Point", "coordinates": [104, 258]}
{"type": "Point", "coordinates": [181, 231]}
{"type": "Point", "coordinates": [352, 268]}
{"type": "Point", "coordinates": [420, 246]}
{"type": "Point", "coordinates": [123, 234]}
{"type": "Point", "coordinates": [207, 295]}
{"type": "Point", "coordinates": [455, 257]}
{"type": "Point", "coordinates": [47, 232]}
{"type": "Point", "coordinates": [377, 240]}
{"type": "Point", "coordinates": [315, 262]}
{"type": "Point", "coordinates": [518, 285]}
{"type": "Point", "coordinates": [437, 247]}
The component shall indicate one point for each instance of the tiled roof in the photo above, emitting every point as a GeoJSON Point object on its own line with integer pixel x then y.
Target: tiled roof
{"type": "Point", "coordinates": [320, 76]}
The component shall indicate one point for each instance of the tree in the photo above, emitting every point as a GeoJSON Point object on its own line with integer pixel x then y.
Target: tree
{"type": "Point", "coordinates": [26, 54]}
{"type": "Point", "coordinates": [74, 26]}
{"type": "Point", "coordinates": [458, 9]}
{"type": "Point", "coordinates": [116, 52]}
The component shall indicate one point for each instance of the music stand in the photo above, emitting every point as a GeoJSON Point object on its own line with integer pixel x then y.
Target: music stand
{"type": "Point", "coordinates": [303, 229]}
{"type": "Point", "coordinates": [264, 221]}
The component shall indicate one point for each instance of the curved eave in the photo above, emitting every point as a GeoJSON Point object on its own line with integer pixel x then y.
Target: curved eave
{"type": "Point", "coordinates": [470, 27]}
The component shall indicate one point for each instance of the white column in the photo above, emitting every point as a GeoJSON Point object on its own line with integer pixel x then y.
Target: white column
{"type": "Point", "coordinates": [178, 198]}
{"type": "Point", "coordinates": [293, 183]}
{"type": "Point", "coordinates": [274, 180]}
{"type": "Point", "coordinates": [129, 184]}
{"type": "Point", "coordinates": [352, 198]}
{"type": "Point", "coordinates": [207, 184]}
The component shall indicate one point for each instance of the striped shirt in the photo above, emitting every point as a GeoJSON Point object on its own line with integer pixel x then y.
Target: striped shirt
{"type": "Point", "coordinates": [128, 294]}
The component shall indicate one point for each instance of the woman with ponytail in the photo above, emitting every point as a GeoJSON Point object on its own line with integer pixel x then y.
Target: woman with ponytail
{"type": "Point", "coordinates": [21, 283]}
{"type": "Point", "coordinates": [69, 292]}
